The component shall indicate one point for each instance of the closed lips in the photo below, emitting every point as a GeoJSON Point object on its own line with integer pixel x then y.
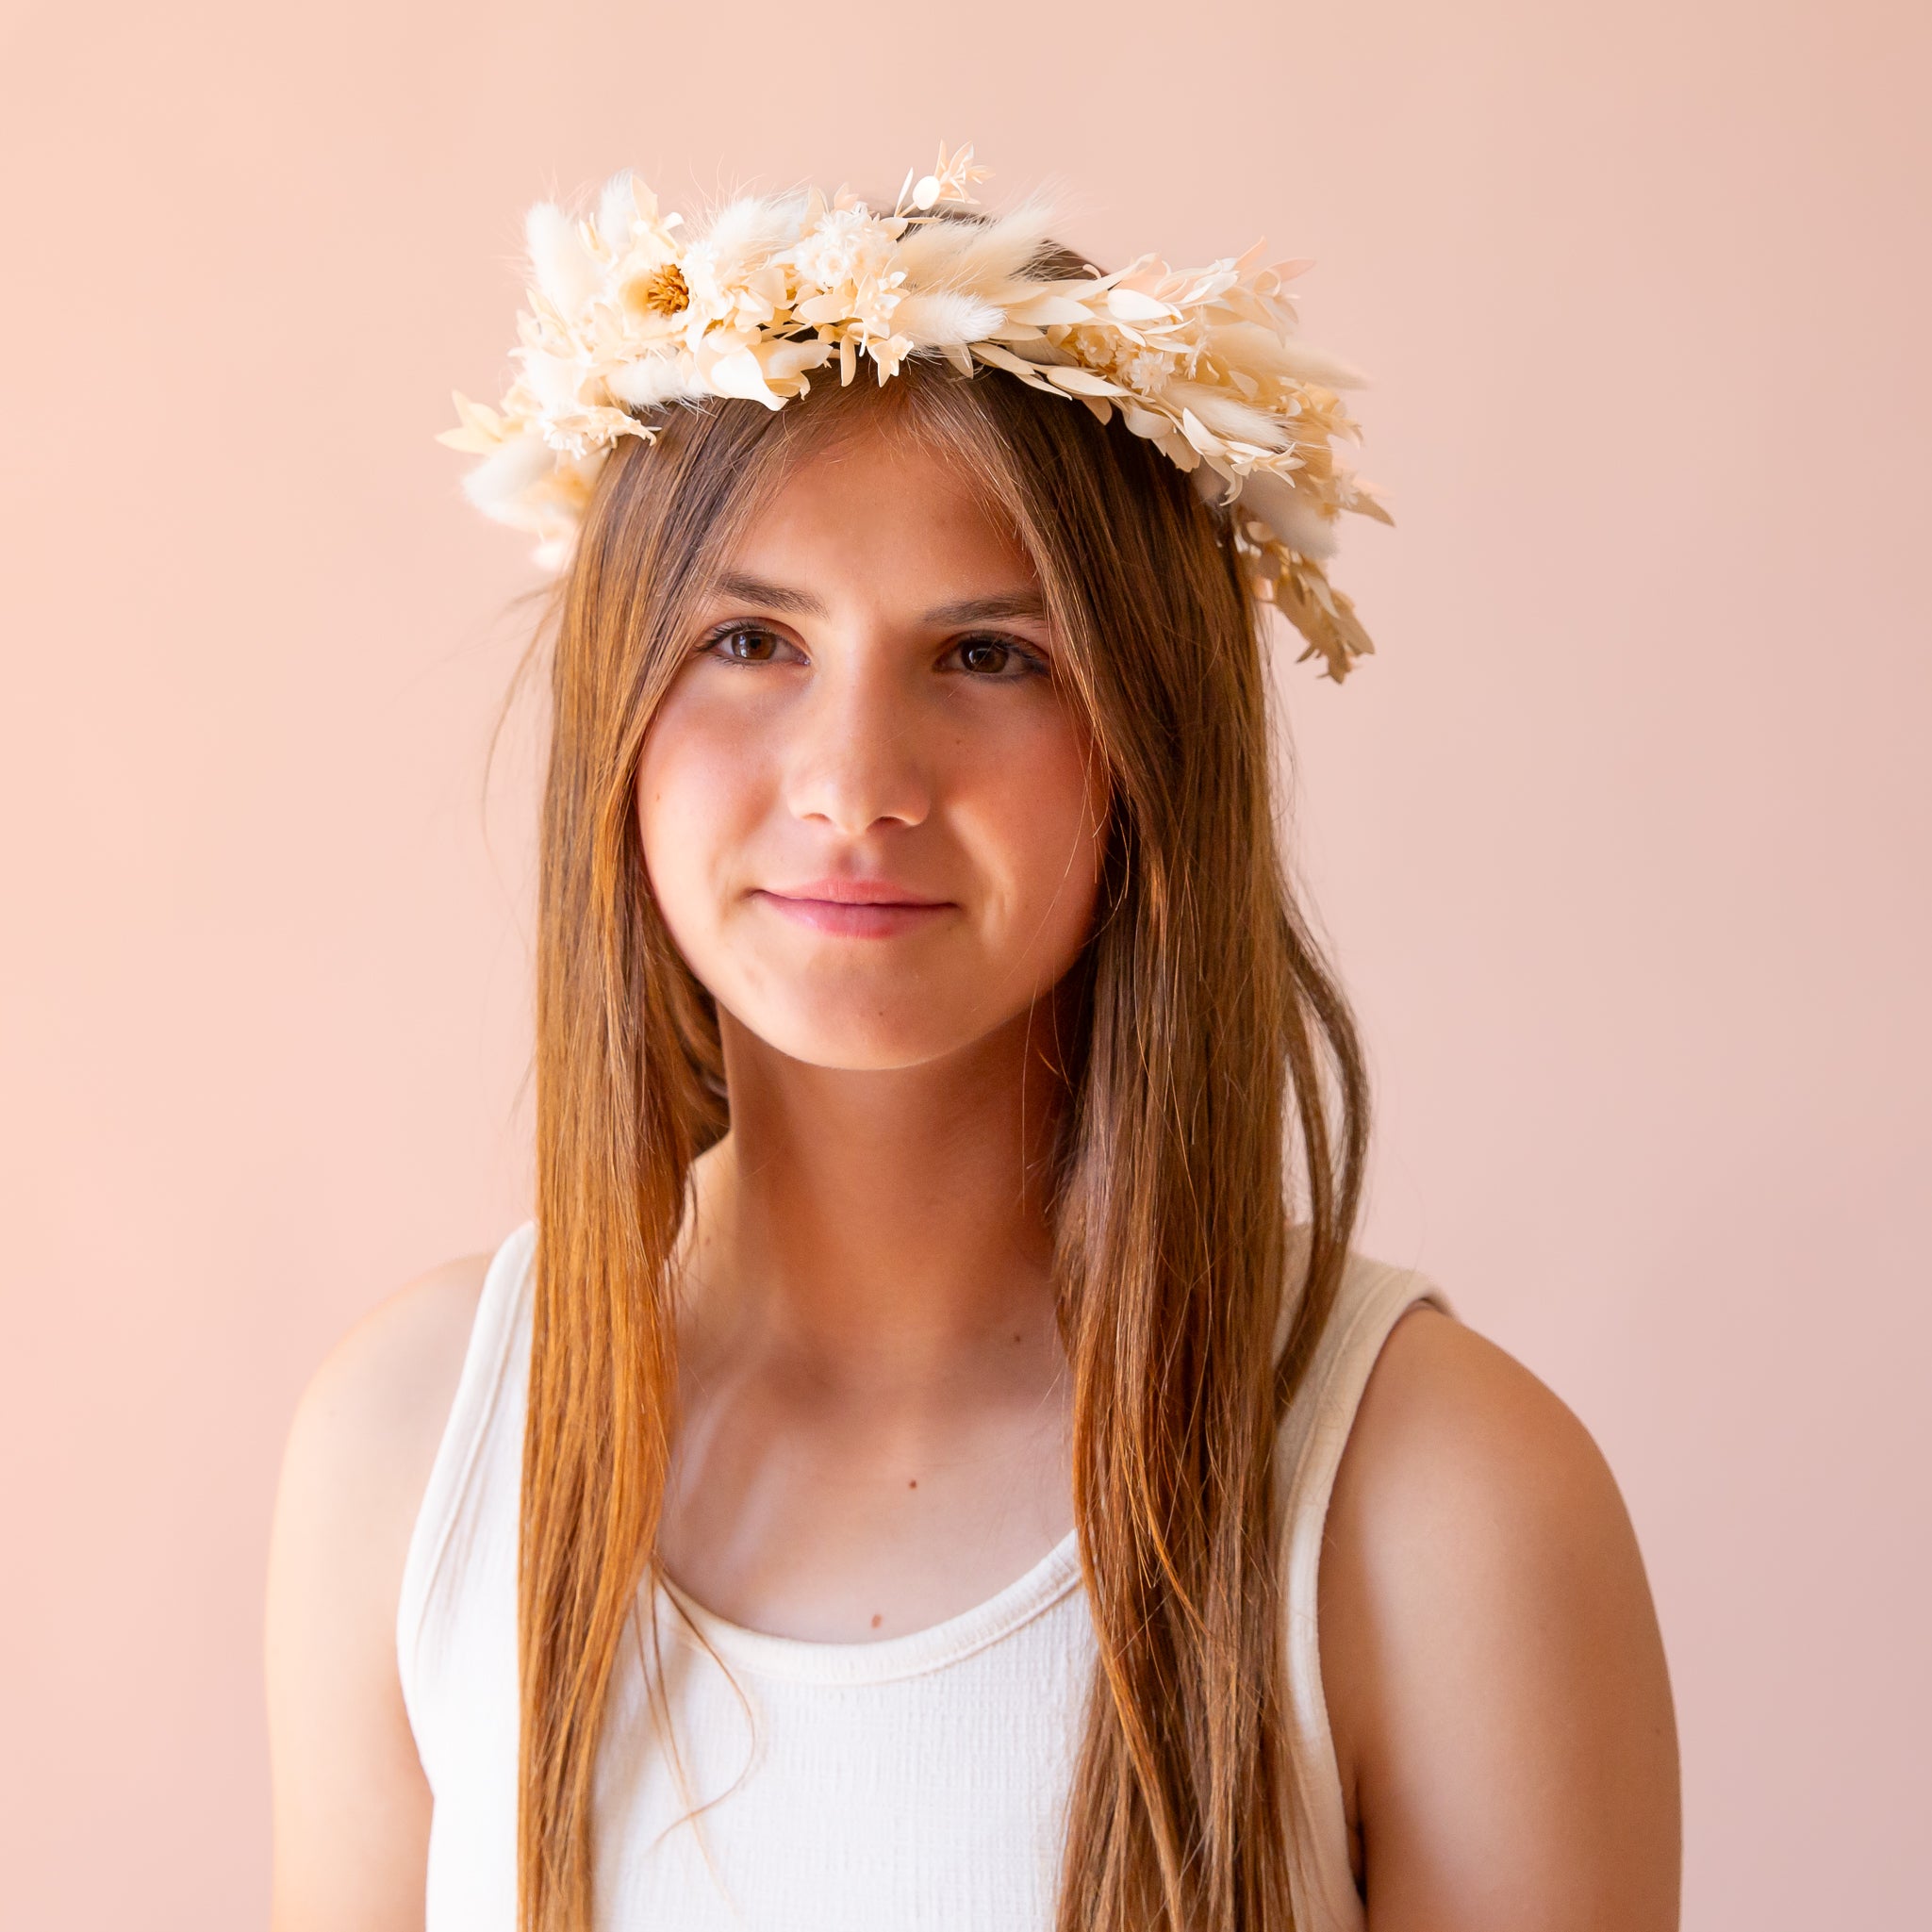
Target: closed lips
{"type": "Point", "coordinates": [852, 892]}
{"type": "Point", "coordinates": [852, 908]}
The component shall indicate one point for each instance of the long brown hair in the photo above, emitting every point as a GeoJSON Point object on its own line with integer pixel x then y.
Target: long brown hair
{"type": "Point", "coordinates": [1213, 1091]}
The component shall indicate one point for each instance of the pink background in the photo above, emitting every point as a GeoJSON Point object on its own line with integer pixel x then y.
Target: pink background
{"type": "Point", "coordinates": [1622, 839]}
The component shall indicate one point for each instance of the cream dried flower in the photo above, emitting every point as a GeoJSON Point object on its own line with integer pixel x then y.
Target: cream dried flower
{"type": "Point", "coordinates": [625, 316]}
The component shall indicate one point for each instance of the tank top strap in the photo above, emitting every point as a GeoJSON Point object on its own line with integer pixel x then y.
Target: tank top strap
{"type": "Point", "coordinates": [1371, 1299]}
{"type": "Point", "coordinates": [463, 1545]}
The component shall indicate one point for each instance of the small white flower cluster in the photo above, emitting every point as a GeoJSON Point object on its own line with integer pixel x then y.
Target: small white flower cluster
{"type": "Point", "coordinates": [625, 317]}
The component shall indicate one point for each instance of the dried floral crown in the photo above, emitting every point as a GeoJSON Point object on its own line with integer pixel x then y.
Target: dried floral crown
{"type": "Point", "coordinates": [626, 317]}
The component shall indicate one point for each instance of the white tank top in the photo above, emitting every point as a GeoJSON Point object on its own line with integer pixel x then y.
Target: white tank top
{"type": "Point", "coordinates": [920, 1781]}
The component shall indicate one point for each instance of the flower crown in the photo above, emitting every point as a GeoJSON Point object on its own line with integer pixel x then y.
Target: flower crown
{"type": "Point", "coordinates": [625, 316]}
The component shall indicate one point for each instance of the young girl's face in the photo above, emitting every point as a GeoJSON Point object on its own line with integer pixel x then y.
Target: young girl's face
{"type": "Point", "coordinates": [872, 815]}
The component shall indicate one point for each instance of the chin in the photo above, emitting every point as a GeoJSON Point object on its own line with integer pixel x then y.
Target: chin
{"type": "Point", "coordinates": [869, 1022]}
{"type": "Point", "coordinates": [861, 1039]}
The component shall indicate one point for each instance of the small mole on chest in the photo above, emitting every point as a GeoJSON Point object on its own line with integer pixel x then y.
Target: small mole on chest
{"type": "Point", "coordinates": [877, 1621]}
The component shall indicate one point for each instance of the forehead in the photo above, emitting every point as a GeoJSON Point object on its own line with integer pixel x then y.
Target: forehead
{"type": "Point", "coordinates": [878, 515]}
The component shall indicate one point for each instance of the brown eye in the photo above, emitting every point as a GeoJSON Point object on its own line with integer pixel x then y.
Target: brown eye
{"type": "Point", "coordinates": [745, 644]}
{"type": "Point", "coordinates": [985, 655]}
{"type": "Point", "coordinates": [994, 657]}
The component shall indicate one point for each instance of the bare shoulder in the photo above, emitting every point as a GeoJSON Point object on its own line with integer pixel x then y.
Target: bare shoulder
{"type": "Point", "coordinates": [383, 1394]}
{"type": "Point", "coordinates": [351, 1803]}
{"type": "Point", "coordinates": [1495, 1679]}
{"type": "Point", "coordinates": [1454, 1433]}
{"type": "Point", "coordinates": [362, 1443]}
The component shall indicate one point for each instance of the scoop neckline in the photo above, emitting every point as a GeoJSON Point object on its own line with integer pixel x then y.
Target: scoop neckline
{"type": "Point", "coordinates": [919, 1652]}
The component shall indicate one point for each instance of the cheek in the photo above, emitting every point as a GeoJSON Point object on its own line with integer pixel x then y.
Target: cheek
{"type": "Point", "coordinates": [1038, 814]}
{"type": "Point", "coordinates": [698, 795]}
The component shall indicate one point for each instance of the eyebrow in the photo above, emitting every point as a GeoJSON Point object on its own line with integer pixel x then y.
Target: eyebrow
{"type": "Point", "coordinates": [983, 610]}
{"type": "Point", "coordinates": [797, 603]}
{"type": "Point", "coordinates": [971, 610]}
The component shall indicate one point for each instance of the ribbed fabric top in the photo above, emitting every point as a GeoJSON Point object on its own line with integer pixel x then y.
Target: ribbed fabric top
{"type": "Point", "coordinates": [789, 1660]}
{"type": "Point", "coordinates": [918, 1782]}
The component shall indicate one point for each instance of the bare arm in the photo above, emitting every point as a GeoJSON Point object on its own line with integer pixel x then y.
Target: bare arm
{"type": "Point", "coordinates": [351, 1803]}
{"type": "Point", "coordinates": [1492, 1659]}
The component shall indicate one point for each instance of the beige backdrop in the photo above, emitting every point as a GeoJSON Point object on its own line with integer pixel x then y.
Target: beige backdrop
{"type": "Point", "coordinates": [1622, 838]}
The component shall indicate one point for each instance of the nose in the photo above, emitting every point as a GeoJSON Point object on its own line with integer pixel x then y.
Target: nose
{"type": "Point", "coordinates": [859, 759]}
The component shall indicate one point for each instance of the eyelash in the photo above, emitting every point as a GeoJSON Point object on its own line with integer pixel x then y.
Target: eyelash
{"type": "Point", "coordinates": [1032, 664]}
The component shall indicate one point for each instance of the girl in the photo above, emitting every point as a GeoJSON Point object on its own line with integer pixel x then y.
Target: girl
{"type": "Point", "coordinates": [921, 1467]}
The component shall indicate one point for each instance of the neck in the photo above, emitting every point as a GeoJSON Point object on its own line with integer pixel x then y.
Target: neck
{"type": "Point", "coordinates": [875, 1225]}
